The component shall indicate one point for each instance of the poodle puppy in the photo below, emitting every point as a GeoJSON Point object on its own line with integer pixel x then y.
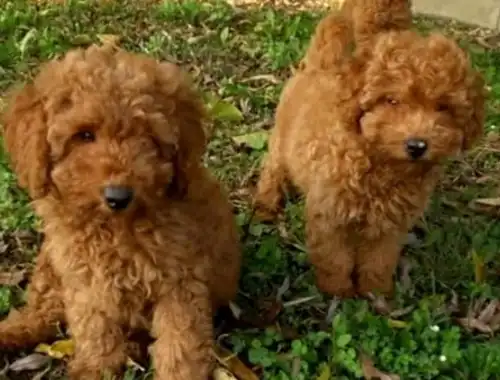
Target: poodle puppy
{"type": "Point", "coordinates": [363, 135]}
{"type": "Point", "coordinates": [137, 234]}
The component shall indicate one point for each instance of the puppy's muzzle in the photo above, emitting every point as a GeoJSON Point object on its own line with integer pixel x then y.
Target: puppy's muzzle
{"type": "Point", "coordinates": [118, 197]}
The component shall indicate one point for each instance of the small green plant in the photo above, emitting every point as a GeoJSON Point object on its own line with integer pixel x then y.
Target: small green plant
{"type": "Point", "coordinates": [5, 299]}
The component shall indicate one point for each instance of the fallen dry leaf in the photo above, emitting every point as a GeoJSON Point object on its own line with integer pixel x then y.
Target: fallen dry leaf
{"type": "Point", "coordinates": [405, 266]}
{"type": "Point", "coordinates": [398, 313]}
{"type": "Point", "coordinates": [265, 77]}
{"type": "Point", "coordinates": [41, 375]}
{"type": "Point", "coordinates": [495, 322]}
{"type": "Point", "coordinates": [453, 306]}
{"type": "Point", "coordinates": [372, 373]}
{"type": "Point", "coordinates": [235, 310]}
{"type": "Point", "coordinates": [133, 364]}
{"type": "Point", "coordinates": [285, 286]}
{"type": "Point", "coordinates": [380, 304]}
{"type": "Point", "coordinates": [109, 39]}
{"type": "Point", "coordinates": [489, 311]}
{"type": "Point", "coordinates": [233, 364]}
{"type": "Point", "coordinates": [472, 324]}
{"type": "Point", "coordinates": [221, 373]}
{"type": "Point", "coordinates": [30, 363]}
{"type": "Point", "coordinates": [12, 278]}
{"type": "Point", "coordinates": [479, 267]}
{"type": "Point", "coordinates": [490, 206]}
{"type": "Point", "coordinates": [332, 309]}
{"type": "Point", "coordinates": [491, 202]}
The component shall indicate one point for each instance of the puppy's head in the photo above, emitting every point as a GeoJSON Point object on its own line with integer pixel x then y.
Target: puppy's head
{"type": "Point", "coordinates": [105, 131]}
{"type": "Point", "coordinates": [421, 100]}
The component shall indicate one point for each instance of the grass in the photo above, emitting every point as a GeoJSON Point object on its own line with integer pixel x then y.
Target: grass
{"type": "Point", "coordinates": [288, 330]}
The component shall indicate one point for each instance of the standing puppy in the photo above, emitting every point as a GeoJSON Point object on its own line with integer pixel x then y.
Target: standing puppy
{"type": "Point", "coordinates": [364, 135]}
{"type": "Point", "coordinates": [138, 235]}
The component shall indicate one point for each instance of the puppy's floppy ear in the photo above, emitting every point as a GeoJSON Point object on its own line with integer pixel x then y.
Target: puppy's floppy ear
{"type": "Point", "coordinates": [474, 127]}
{"type": "Point", "coordinates": [190, 114]}
{"type": "Point", "coordinates": [25, 140]}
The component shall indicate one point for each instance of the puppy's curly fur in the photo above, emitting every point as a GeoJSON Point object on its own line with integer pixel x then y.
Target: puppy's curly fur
{"type": "Point", "coordinates": [346, 128]}
{"type": "Point", "coordinates": [98, 118]}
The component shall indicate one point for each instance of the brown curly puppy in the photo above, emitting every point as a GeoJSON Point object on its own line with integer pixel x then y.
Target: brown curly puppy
{"type": "Point", "coordinates": [363, 135]}
{"type": "Point", "coordinates": [138, 235]}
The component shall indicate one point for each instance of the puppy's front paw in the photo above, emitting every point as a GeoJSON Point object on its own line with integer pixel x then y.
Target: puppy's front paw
{"type": "Point", "coordinates": [372, 283]}
{"type": "Point", "coordinates": [264, 214]}
{"type": "Point", "coordinates": [335, 285]}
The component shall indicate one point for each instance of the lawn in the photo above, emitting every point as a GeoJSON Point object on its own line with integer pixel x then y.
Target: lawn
{"type": "Point", "coordinates": [442, 322]}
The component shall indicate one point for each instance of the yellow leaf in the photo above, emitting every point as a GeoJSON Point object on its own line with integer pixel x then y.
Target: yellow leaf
{"type": "Point", "coordinates": [394, 323]}
{"type": "Point", "coordinates": [479, 267]}
{"type": "Point", "coordinates": [42, 348]}
{"type": "Point", "coordinates": [223, 374]}
{"type": "Point", "coordinates": [61, 349]}
{"type": "Point", "coordinates": [325, 373]}
{"type": "Point", "coordinates": [221, 110]}
{"type": "Point", "coordinates": [58, 350]}
{"type": "Point", "coordinates": [233, 364]}
{"type": "Point", "coordinates": [256, 140]}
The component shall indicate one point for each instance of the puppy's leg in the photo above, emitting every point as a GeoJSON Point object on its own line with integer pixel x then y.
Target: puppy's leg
{"type": "Point", "coordinates": [182, 327]}
{"type": "Point", "coordinates": [100, 342]}
{"type": "Point", "coordinates": [330, 253]}
{"type": "Point", "coordinates": [376, 262]}
{"type": "Point", "coordinates": [269, 193]}
{"type": "Point", "coordinates": [38, 320]}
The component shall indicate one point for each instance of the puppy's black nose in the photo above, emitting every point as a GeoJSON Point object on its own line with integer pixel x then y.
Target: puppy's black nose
{"type": "Point", "coordinates": [416, 148]}
{"type": "Point", "coordinates": [118, 197]}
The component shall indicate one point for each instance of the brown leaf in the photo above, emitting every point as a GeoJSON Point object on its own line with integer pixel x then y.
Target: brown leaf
{"type": "Point", "coordinates": [495, 322]}
{"type": "Point", "coordinates": [233, 364]}
{"type": "Point", "coordinates": [380, 304]}
{"type": "Point", "coordinates": [490, 202]}
{"type": "Point", "coordinates": [401, 312]}
{"type": "Point", "coordinates": [372, 373]}
{"type": "Point", "coordinates": [264, 77]}
{"type": "Point", "coordinates": [406, 266]}
{"type": "Point", "coordinates": [453, 306]}
{"type": "Point", "coordinates": [30, 363]}
{"type": "Point", "coordinates": [472, 324]}
{"type": "Point", "coordinates": [12, 278]}
{"type": "Point", "coordinates": [109, 39]}
{"type": "Point", "coordinates": [489, 312]}
{"type": "Point", "coordinates": [490, 206]}
{"type": "Point", "coordinates": [221, 373]}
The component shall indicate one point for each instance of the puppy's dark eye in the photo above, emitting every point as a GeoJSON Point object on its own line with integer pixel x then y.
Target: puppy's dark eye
{"type": "Point", "coordinates": [442, 107]}
{"type": "Point", "coordinates": [84, 136]}
{"type": "Point", "coordinates": [391, 101]}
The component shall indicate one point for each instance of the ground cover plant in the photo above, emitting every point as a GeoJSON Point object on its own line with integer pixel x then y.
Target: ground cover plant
{"type": "Point", "coordinates": [443, 320]}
